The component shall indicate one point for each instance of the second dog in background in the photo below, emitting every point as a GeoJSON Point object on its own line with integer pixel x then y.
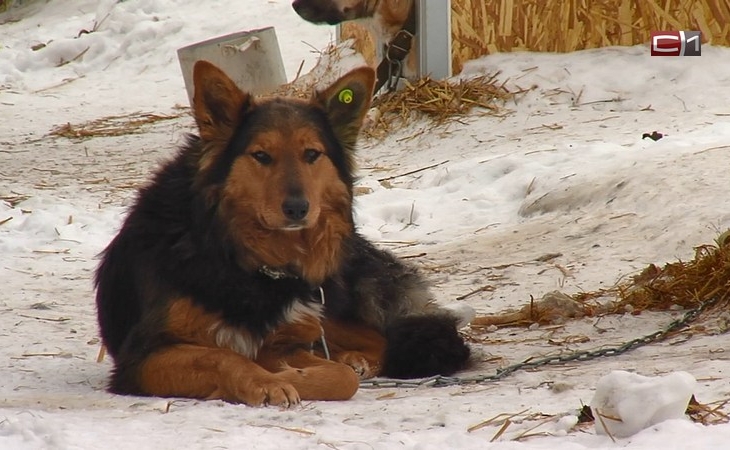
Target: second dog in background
{"type": "Point", "coordinates": [391, 22]}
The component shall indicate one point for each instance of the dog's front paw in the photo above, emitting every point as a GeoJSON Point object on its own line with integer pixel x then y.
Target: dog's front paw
{"type": "Point", "coordinates": [363, 367]}
{"type": "Point", "coordinates": [266, 391]}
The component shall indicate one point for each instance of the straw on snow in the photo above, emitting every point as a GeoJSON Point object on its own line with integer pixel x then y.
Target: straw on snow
{"type": "Point", "coordinates": [440, 101]}
{"type": "Point", "coordinates": [116, 125]}
{"type": "Point", "coordinates": [680, 284]}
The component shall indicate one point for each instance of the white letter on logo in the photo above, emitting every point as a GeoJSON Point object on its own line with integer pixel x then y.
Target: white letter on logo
{"type": "Point", "coordinates": [695, 38]}
{"type": "Point", "coordinates": [655, 43]}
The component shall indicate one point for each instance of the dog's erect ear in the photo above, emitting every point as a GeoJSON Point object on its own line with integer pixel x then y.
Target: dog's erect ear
{"type": "Point", "coordinates": [217, 102]}
{"type": "Point", "coordinates": [346, 103]}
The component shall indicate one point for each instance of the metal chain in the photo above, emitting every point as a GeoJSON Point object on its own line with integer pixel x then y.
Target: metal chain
{"type": "Point", "coordinates": [581, 355]}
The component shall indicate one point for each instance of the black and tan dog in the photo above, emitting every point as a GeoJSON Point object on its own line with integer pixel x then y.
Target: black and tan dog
{"type": "Point", "coordinates": [242, 252]}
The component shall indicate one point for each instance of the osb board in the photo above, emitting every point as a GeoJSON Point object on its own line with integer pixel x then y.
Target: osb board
{"type": "Point", "coordinates": [481, 27]}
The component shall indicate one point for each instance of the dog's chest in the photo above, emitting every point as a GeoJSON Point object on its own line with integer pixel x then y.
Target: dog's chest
{"type": "Point", "coordinates": [243, 341]}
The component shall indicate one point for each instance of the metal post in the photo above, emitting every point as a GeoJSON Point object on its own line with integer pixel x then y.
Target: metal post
{"type": "Point", "coordinates": [434, 38]}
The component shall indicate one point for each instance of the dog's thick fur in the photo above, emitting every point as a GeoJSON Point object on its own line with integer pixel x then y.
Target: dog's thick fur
{"type": "Point", "coordinates": [383, 18]}
{"type": "Point", "coordinates": [242, 252]}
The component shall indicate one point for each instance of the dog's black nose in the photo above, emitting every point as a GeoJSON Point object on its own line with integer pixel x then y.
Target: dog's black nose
{"type": "Point", "coordinates": [295, 208]}
{"type": "Point", "coordinates": [302, 8]}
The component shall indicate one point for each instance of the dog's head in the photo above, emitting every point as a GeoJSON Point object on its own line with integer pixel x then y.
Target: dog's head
{"type": "Point", "coordinates": [334, 11]}
{"type": "Point", "coordinates": [279, 168]}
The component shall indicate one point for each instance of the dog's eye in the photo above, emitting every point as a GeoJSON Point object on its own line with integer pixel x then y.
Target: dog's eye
{"type": "Point", "coordinates": [311, 155]}
{"type": "Point", "coordinates": [262, 157]}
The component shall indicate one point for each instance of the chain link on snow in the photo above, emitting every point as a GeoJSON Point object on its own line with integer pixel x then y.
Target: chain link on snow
{"type": "Point", "coordinates": [581, 355]}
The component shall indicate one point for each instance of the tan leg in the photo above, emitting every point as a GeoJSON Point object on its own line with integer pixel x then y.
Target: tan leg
{"type": "Point", "coordinates": [315, 378]}
{"type": "Point", "coordinates": [359, 346]}
{"type": "Point", "coordinates": [286, 352]}
{"type": "Point", "coordinates": [215, 373]}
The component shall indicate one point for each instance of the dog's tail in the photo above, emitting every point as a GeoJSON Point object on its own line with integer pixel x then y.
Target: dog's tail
{"type": "Point", "coordinates": [424, 345]}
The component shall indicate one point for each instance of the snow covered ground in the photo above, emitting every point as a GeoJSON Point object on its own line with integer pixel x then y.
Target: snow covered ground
{"type": "Point", "coordinates": [563, 172]}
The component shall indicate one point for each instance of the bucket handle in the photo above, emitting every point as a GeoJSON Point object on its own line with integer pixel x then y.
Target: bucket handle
{"type": "Point", "coordinates": [242, 47]}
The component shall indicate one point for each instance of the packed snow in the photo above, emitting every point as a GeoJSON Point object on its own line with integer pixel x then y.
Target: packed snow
{"type": "Point", "coordinates": [556, 192]}
{"type": "Point", "coordinates": [626, 403]}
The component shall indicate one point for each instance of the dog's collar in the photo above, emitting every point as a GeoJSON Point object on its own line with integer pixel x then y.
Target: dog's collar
{"type": "Point", "coordinates": [277, 274]}
{"type": "Point", "coordinates": [317, 293]}
{"type": "Point", "coordinates": [391, 67]}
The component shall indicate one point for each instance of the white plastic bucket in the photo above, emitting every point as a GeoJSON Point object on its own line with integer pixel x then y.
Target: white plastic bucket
{"type": "Point", "coordinates": [251, 59]}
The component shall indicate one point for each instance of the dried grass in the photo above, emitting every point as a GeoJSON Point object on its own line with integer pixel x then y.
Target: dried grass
{"type": "Point", "coordinates": [677, 285]}
{"type": "Point", "coordinates": [480, 28]}
{"type": "Point", "coordinates": [441, 101]}
{"type": "Point", "coordinates": [708, 414]}
{"type": "Point", "coordinates": [684, 284]}
{"type": "Point", "coordinates": [118, 125]}
{"type": "Point", "coordinates": [13, 199]}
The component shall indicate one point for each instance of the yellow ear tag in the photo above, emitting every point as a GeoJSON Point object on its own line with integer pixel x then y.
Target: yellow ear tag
{"type": "Point", "coordinates": [346, 96]}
